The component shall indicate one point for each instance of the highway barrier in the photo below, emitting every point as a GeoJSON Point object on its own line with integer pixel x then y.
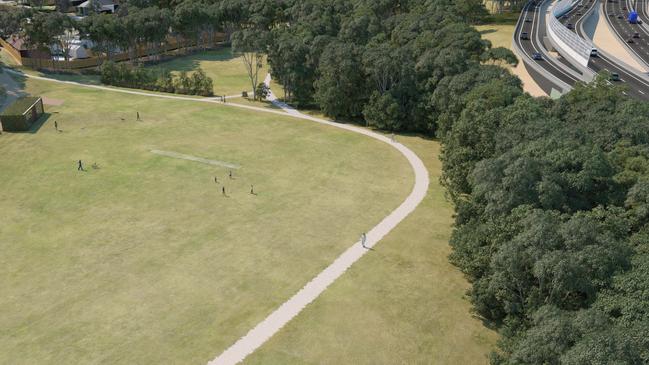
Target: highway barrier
{"type": "Point", "coordinates": [561, 86]}
{"type": "Point", "coordinates": [563, 6]}
{"type": "Point", "coordinates": [567, 42]}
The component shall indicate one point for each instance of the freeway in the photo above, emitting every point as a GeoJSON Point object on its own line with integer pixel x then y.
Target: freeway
{"type": "Point", "coordinates": [549, 72]}
{"type": "Point", "coordinates": [637, 85]}
{"type": "Point", "coordinates": [616, 13]}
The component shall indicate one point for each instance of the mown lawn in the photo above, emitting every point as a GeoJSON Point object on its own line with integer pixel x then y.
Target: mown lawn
{"type": "Point", "coordinates": [500, 35]}
{"type": "Point", "coordinates": [226, 69]}
{"type": "Point", "coordinates": [402, 303]}
{"type": "Point", "coordinates": [142, 260]}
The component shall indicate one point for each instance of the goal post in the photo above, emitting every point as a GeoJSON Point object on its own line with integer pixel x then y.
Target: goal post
{"type": "Point", "coordinates": [22, 114]}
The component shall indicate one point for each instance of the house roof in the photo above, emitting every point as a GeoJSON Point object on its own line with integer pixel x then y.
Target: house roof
{"type": "Point", "coordinates": [88, 3]}
{"type": "Point", "coordinates": [17, 42]}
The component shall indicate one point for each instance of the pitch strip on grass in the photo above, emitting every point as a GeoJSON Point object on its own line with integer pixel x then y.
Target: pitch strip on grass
{"type": "Point", "coordinates": [196, 159]}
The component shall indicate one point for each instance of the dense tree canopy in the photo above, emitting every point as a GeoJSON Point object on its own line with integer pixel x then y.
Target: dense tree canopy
{"type": "Point", "coordinates": [552, 222]}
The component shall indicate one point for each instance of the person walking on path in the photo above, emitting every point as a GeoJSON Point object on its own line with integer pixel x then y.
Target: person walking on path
{"type": "Point", "coordinates": [363, 239]}
{"type": "Point", "coordinates": [230, 174]}
{"type": "Point", "coordinates": [393, 138]}
{"type": "Point", "coordinates": [80, 167]}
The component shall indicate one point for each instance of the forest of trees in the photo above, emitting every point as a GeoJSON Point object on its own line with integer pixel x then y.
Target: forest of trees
{"type": "Point", "coordinates": [551, 196]}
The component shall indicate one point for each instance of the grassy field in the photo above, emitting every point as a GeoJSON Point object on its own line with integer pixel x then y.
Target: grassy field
{"type": "Point", "coordinates": [142, 260]}
{"type": "Point", "coordinates": [401, 304]}
{"type": "Point", "coordinates": [500, 35]}
{"type": "Point", "coordinates": [225, 68]}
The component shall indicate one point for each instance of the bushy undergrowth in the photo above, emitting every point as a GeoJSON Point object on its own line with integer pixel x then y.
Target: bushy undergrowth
{"type": "Point", "coordinates": [138, 77]}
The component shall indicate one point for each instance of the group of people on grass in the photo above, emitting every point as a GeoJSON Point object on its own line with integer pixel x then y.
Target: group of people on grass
{"type": "Point", "coordinates": [216, 181]}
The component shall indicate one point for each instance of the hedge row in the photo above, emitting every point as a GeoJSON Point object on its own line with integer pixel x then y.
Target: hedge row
{"type": "Point", "coordinates": [138, 77]}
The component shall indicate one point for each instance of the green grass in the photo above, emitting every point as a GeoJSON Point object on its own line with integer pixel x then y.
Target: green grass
{"type": "Point", "coordinates": [402, 303]}
{"type": "Point", "coordinates": [225, 68]}
{"type": "Point", "coordinates": [142, 260]}
{"type": "Point", "coordinates": [500, 35]}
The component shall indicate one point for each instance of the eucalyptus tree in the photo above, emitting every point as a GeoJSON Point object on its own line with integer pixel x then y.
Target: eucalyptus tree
{"type": "Point", "coordinates": [106, 31]}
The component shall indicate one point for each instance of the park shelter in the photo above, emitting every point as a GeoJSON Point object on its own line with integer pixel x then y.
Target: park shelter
{"type": "Point", "coordinates": [21, 114]}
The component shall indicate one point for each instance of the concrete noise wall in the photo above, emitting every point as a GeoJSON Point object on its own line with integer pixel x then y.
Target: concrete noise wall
{"type": "Point", "coordinates": [568, 43]}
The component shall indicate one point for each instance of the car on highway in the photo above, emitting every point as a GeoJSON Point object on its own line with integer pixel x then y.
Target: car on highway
{"type": "Point", "coordinates": [525, 36]}
{"type": "Point", "coordinates": [537, 56]}
{"type": "Point", "coordinates": [636, 35]}
{"type": "Point", "coordinates": [594, 53]}
{"type": "Point", "coordinates": [570, 26]}
{"type": "Point", "coordinates": [630, 41]}
{"type": "Point", "coordinates": [614, 76]}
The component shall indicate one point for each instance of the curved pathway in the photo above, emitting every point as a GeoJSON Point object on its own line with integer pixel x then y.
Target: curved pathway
{"type": "Point", "coordinates": [289, 309]}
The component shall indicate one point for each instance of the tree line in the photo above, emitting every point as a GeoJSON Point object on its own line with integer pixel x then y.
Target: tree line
{"type": "Point", "coordinates": [139, 77]}
{"type": "Point", "coordinates": [552, 222]}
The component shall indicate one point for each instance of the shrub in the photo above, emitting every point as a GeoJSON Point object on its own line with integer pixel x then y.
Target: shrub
{"type": "Point", "coordinates": [262, 91]}
{"type": "Point", "coordinates": [157, 80]}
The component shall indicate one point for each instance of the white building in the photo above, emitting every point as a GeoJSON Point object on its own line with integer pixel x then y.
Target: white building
{"type": "Point", "coordinates": [96, 6]}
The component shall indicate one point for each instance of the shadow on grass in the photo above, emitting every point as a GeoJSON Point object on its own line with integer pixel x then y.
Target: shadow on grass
{"type": "Point", "coordinates": [19, 79]}
{"type": "Point", "coordinates": [192, 61]}
{"type": "Point", "coordinates": [485, 322]}
{"type": "Point", "coordinates": [72, 76]}
{"type": "Point", "coordinates": [313, 108]}
{"type": "Point", "coordinates": [38, 124]}
{"type": "Point", "coordinates": [487, 31]}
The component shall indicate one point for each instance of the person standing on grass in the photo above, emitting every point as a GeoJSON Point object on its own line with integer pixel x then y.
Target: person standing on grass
{"type": "Point", "coordinates": [216, 180]}
{"type": "Point", "coordinates": [80, 167]}
{"type": "Point", "coordinates": [223, 190]}
{"type": "Point", "coordinates": [230, 174]}
{"type": "Point", "coordinates": [138, 115]}
{"type": "Point", "coordinates": [56, 126]}
{"type": "Point", "coordinates": [252, 190]}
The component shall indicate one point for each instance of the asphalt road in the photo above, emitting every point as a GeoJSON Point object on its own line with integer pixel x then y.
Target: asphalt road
{"type": "Point", "coordinates": [533, 23]}
{"type": "Point", "coordinates": [636, 86]}
{"type": "Point", "coordinates": [616, 13]}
